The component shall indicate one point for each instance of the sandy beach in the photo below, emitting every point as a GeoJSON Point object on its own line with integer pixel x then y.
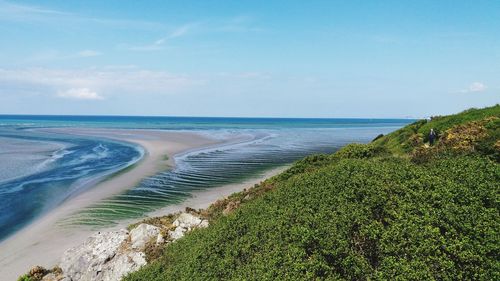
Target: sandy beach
{"type": "Point", "coordinates": [43, 242]}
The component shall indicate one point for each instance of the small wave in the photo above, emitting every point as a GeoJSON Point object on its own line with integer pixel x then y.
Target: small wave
{"type": "Point", "coordinates": [61, 153]}
{"type": "Point", "coordinates": [99, 152]}
{"type": "Point", "coordinates": [56, 155]}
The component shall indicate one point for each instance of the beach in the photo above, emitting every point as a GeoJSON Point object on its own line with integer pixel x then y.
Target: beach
{"type": "Point", "coordinates": [44, 241]}
{"type": "Point", "coordinates": [177, 168]}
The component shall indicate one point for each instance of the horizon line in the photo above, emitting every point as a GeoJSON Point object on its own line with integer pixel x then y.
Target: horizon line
{"type": "Point", "coordinates": [216, 117]}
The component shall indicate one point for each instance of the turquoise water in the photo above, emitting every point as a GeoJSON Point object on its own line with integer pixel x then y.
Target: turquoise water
{"type": "Point", "coordinates": [39, 170]}
{"type": "Point", "coordinates": [191, 123]}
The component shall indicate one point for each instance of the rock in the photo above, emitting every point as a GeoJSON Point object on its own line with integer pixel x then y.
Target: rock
{"type": "Point", "coordinates": [55, 277]}
{"type": "Point", "coordinates": [102, 257]}
{"type": "Point", "coordinates": [108, 256]}
{"type": "Point", "coordinates": [121, 265]}
{"type": "Point", "coordinates": [142, 234]}
{"type": "Point", "coordinates": [203, 224]}
{"type": "Point", "coordinates": [37, 272]}
{"type": "Point", "coordinates": [186, 220]}
{"type": "Point", "coordinates": [177, 233]}
{"type": "Point", "coordinates": [160, 239]}
{"type": "Point", "coordinates": [50, 277]}
{"type": "Point", "coordinates": [184, 223]}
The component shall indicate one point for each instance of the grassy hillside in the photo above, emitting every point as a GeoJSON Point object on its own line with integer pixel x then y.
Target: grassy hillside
{"type": "Point", "coordinates": [393, 209]}
{"type": "Point", "coordinates": [478, 121]}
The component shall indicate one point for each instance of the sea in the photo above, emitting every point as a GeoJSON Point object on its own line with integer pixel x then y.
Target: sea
{"type": "Point", "coordinates": [40, 169]}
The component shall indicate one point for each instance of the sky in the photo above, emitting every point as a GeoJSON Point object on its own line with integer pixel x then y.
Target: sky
{"type": "Point", "coordinates": [375, 59]}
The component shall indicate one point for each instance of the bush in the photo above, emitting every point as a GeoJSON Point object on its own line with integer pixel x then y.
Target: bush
{"type": "Point", "coordinates": [354, 219]}
{"type": "Point", "coordinates": [355, 151]}
{"type": "Point", "coordinates": [423, 213]}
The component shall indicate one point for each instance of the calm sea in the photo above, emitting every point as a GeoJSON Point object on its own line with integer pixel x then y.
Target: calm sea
{"type": "Point", "coordinates": [39, 170]}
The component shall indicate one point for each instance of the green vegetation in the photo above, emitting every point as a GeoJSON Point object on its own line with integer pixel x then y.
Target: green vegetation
{"type": "Point", "coordinates": [25, 277]}
{"type": "Point", "coordinates": [405, 140]}
{"type": "Point", "coordinates": [395, 209]}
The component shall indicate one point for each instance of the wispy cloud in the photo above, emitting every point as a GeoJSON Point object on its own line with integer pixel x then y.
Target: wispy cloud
{"type": "Point", "coordinates": [80, 94]}
{"type": "Point", "coordinates": [475, 87]}
{"type": "Point", "coordinates": [160, 43]}
{"type": "Point", "coordinates": [55, 55]}
{"type": "Point", "coordinates": [181, 30]}
{"type": "Point", "coordinates": [231, 25]}
{"type": "Point", "coordinates": [10, 11]}
{"type": "Point", "coordinates": [34, 13]}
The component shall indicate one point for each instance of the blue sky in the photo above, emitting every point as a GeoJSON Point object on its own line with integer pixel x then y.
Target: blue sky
{"type": "Point", "coordinates": [249, 58]}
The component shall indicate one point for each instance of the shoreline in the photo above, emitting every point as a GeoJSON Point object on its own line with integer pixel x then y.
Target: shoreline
{"type": "Point", "coordinates": [43, 241]}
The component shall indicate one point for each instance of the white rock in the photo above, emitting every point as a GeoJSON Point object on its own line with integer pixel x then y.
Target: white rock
{"type": "Point", "coordinates": [108, 256]}
{"type": "Point", "coordinates": [104, 256]}
{"type": "Point", "coordinates": [121, 265]}
{"type": "Point", "coordinates": [160, 239]}
{"type": "Point", "coordinates": [142, 234]}
{"type": "Point", "coordinates": [184, 223]}
{"type": "Point", "coordinates": [186, 220]}
{"type": "Point", "coordinates": [177, 233]}
{"type": "Point", "coordinates": [86, 261]}
{"type": "Point", "coordinates": [203, 224]}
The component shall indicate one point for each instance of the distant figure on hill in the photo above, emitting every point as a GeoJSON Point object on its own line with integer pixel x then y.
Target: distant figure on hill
{"type": "Point", "coordinates": [432, 137]}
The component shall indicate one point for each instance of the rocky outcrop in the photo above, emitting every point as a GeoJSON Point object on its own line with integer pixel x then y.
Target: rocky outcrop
{"type": "Point", "coordinates": [184, 223]}
{"type": "Point", "coordinates": [103, 256]}
{"type": "Point", "coordinates": [143, 234]}
{"type": "Point", "coordinates": [108, 256]}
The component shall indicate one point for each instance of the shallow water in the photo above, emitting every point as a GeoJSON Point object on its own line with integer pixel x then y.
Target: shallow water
{"type": "Point", "coordinates": [38, 170]}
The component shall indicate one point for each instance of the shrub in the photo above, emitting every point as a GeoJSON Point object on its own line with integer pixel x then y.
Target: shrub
{"type": "Point", "coordinates": [361, 214]}
{"type": "Point", "coordinates": [354, 219]}
{"type": "Point", "coordinates": [355, 151]}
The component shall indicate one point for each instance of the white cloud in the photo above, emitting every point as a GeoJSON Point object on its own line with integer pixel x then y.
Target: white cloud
{"type": "Point", "coordinates": [86, 83]}
{"type": "Point", "coordinates": [475, 87]}
{"type": "Point", "coordinates": [80, 94]}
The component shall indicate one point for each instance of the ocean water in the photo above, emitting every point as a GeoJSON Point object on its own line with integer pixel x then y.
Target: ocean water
{"type": "Point", "coordinates": [40, 170]}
